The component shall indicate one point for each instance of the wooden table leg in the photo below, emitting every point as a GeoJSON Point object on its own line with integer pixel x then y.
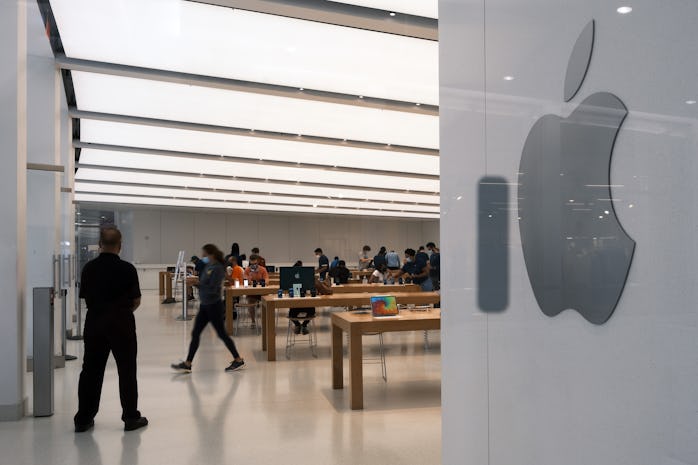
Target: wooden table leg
{"type": "Point", "coordinates": [356, 375]}
{"type": "Point", "coordinates": [265, 322]}
{"type": "Point", "coordinates": [270, 331]}
{"type": "Point", "coordinates": [229, 312]}
{"type": "Point", "coordinates": [337, 358]}
{"type": "Point", "coordinates": [168, 288]}
{"type": "Point", "coordinates": [161, 282]}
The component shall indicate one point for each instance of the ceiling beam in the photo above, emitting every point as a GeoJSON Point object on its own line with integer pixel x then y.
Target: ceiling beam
{"type": "Point", "coordinates": [80, 114]}
{"type": "Point", "coordinates": [111, 69]}
{"type": "Point", "coordinates": [340, 14]}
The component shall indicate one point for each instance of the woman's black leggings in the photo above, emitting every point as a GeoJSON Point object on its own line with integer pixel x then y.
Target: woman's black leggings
{"type": "Point", "coordinates": [210, 313]}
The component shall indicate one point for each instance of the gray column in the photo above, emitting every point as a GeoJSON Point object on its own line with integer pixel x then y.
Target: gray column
{"type": "Point", "coordinates": [13, 153]}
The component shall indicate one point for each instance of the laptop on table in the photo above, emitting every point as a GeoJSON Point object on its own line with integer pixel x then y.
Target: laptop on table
{"type": "Point", "coordinates": [384, 306]}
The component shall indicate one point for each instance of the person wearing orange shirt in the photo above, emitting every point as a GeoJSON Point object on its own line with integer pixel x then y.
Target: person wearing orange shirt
{"type": "Point", "coordinates": [235, 272]}
{"type": "Point", "coordinates": [255, 272]}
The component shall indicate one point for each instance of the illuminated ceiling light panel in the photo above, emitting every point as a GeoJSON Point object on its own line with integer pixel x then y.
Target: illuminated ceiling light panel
{"type": "Point", "coordinates": [223, 42]}
{"type": "Point", "coordinates": [180, 102]}
{"type": "Point", "coordinates": [142, 191]}
{"type": "Point", "coordinates": [190, 141]}
{"type": "Point", "coordinates": [194, 181]}
{"type": "Point", "coordinates": [227, 168]}
{"type": "Point", "coordinates": [101, 198]}
{"type": "Point", "coordinates": [426, 8]}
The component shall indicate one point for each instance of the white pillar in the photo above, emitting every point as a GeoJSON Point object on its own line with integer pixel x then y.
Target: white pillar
{"type": "Point", "coordinates": [13, 175]}
{"type": "Point", "coordinates": [43, 148]}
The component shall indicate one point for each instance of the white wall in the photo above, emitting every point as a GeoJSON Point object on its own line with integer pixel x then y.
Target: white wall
{"type": "Point", "coordinates": [520, 387]}
{"type": "Point", "coordinates": [158, 234]}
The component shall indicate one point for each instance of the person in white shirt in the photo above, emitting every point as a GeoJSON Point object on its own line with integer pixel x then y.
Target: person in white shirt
{"type": "Point", "coordinates": [380, 275]}
{"type": "Point", "coordinates": [364, 258]}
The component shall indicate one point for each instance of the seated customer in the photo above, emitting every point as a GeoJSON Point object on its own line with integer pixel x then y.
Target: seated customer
{"type": "Point", "coordinates": [380, 275]}
{"type": "Point", "coordinates": [260, 259]}
{"type": "Point", "coordinates": [234, 272]}
{"type": "Point", "coordinates": [415, 271]}
{"type": "Point", "coordinates": [340, 273]}
{"type": "Point", "coordinates": [303, 312]}
{"type": "Point", "coordinates": [255, 272]}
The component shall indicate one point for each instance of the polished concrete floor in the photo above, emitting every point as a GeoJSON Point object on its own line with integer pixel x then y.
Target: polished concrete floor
{"type": "Point", "coordinates": [282, 412]}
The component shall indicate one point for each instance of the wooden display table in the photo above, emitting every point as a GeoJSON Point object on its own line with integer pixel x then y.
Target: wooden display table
{"type": "Point", "coordinates": [271, 302]}
{"type": "Point", "coordinates": [231, 292]}
{"type": "Point", "coordinates": [375, 288]}
{"type": "Point", "coordinates": [358, 324]}
{"type": "Point", "coordinates": [169, 297]}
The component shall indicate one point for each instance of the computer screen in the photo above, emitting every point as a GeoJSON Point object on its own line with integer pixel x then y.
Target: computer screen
{"type": "Point", "coordinates": [290, 275]}
{"type": "Point", "coordinates": [270, 268]}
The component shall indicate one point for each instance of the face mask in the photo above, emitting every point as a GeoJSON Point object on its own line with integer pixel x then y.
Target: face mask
{"type": "Point", "coordinates": [429, 252]}
{"type": "Point", "coordinates": [206, 260]}
{"type": "Point", "coordinates": [317, 256]}
{"type": "Point", "coordinates": [408, 260]}
{"type": "Point", "coordinates": [254, 267]}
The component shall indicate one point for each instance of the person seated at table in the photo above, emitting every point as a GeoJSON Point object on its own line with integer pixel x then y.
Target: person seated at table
{"type": "Point", "coordinates": [255, 272]}
{"type": "Point", "coordinates": [380, 274]}
{"type": "Point", "coordinates": [379, 259]}
{"type": "Point", "coordinates": [334, 263]}
{"type": "Point", "coordinates": [340, 273]}
{"type": "Point", "coordinates": [234, 272]}
{"type": "Point", "coordinates": [261, 260]}
{"type": "Point", "coordinates": [302, 312]}
{"type": "Point", "coordinates": [415, 270]}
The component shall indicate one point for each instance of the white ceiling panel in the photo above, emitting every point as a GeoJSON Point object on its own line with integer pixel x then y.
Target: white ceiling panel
{"type": "Point", "coordinates": [86, 174]}
{"type": "Point", "coordinates": [121, 199]}
{"type": "Point", "coordinates": [205, 105]}
{"type": "Point", "coordinates": [426, 8]}
{"type": "Point", "coordinates": [190, 141]}
{"type": "Point", "coordinates": [247, 170]}
{"type": "Point", "coordinates": [209, 40]}
{"type": "Point", "coordinates": [143, 191]}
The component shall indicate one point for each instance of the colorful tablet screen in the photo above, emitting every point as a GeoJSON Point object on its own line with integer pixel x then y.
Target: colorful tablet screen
{"type": "Point", "coordinates": [384, 305]}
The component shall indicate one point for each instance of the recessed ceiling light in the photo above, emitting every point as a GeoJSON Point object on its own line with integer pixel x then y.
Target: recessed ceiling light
{"type": "Point", "coordinates": [508, 78]}
{"type": "Point", "coordinates": [361, 96]}
{"type": "Point", "coordinates": [418, 104]}
{"type": "Point", "coordinates": [392, 13]}
{"type": "Point", "coordinates": [606, 212]}
{"type": "Point", "coordinates": [624, 10]}
{"type": "Point", "coordinates": [690, 102]}
{"type": "Point", "coordinates": [630, 206]}
{"type": "Point", "coordinates": [301, 89]}
{"type": "Point", "coordinates": [459, 197]}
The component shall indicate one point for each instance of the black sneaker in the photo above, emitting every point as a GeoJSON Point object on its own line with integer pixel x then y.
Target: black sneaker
{"type": "Point", "coordinates": [131, 425]}
{"type": "Point", "coordinates": [181, 367]}
{"type": "Point", "coordinates": [297, 330]}
{"type": "Point", "coordinates": [235, 365]}
{"type": "Point", "coordinates": [83, 427]}
{"type": "Point", "coordinates": [304, 330]}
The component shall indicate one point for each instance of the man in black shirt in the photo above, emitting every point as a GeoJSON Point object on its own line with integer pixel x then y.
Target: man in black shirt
{"type": "Point", "coordinates": [416, 270]}
{"type": "Point", "coordinates": [110, 288]}
{"type": "Point", "coordinates": [340, 273]}
{"type": "Point", "coordinates": [435, 265]}
{"type": "Point", "coordinates": [323, 263]}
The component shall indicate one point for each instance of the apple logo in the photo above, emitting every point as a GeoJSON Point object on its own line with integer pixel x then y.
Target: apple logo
{"type": "Point", "coordinates": [577, 254]}
{"type": "Point", "coordinates": [297, 276]}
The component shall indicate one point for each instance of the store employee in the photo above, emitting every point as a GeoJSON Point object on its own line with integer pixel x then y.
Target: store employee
{"type": "Point", "coordinates": [415, 270]}
{"type": "Point", "coordinates": [110, 288]}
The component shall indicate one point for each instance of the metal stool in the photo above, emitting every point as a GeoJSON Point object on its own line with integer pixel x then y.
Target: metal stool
{"type": "Point", "coordinates": [292, 337]}
{"type": "Point", "coordinates": [239, 307]}
{"type": "Point", "coordinates": [381, 356]}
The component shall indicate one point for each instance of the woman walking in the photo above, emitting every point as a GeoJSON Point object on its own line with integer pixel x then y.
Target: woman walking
{"type": "Point", "coordinates": [211, 309]}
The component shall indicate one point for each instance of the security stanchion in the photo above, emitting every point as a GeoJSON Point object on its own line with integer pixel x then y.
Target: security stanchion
{"type": "Point", "coordinates": [185, 302]}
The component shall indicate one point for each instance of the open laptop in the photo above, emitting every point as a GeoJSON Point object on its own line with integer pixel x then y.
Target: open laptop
{"type": "Point", "coordinates": [384, 305]}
